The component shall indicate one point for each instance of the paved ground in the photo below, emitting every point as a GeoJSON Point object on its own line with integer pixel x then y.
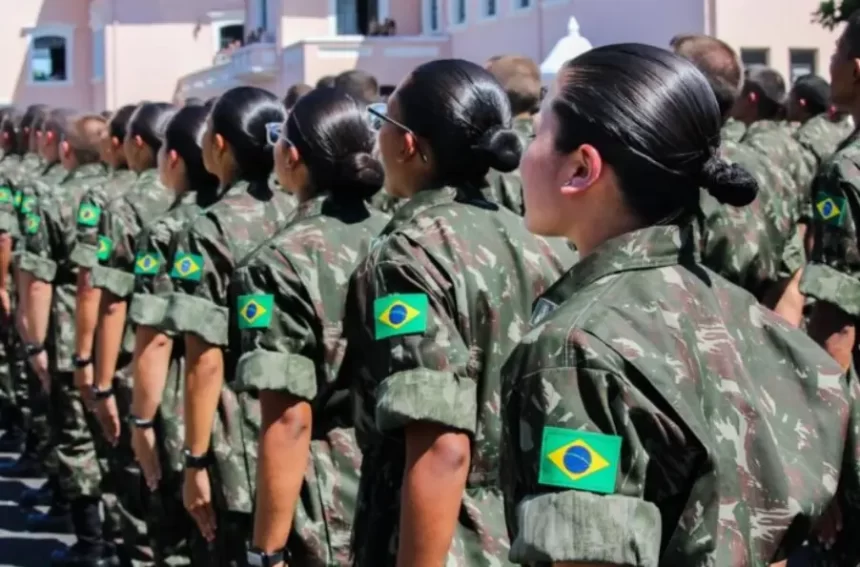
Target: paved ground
{"type": "Point", "coordinates": [18, 548]}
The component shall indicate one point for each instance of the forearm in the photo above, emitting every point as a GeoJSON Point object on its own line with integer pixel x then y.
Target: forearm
{"type": "Point", "coordinates": [37, 304]}
{"type": "Point", "coordinates": [437, 465]}
{"type": "Point", "coordinates": [149, 368]}
{"type": "Point", "coordinates": [5, 258]}
{"type": "Point", "coordinates": [86, 314]}
{"type": "Point", "coordinates": [109, 338]}
{"type": "Point", "coordinates": [834, 330]}
{"type": "Point", "coordinates": [284, 450]}
{"type": "Point", "coordinates": [204, 378]}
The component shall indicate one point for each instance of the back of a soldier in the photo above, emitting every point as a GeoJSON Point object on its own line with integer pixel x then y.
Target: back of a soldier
{"type": "Point", "coordinates": [777, 142]}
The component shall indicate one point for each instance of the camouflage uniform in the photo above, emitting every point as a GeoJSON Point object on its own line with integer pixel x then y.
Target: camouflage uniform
{"type": "Point", "coordinates": [289, 308]}
{"type": "Point", "coordinates": [821, 137]}
{"type": "Point", "coordinates": [386, 202]}
{"type": "Point", "coordinates": [432, 312]}
{"type": "Point", "coordinates": [733, 130]}
{"type": "Point", "coordinates": [8, 224]}
{"type": "Point", "coordinates": [50, 236]}
{"type": "Point", "coordinates": [506, 189]}
{"type": "Point", "coordinates": [658, 415]}
{"type": "Point", "coordinates": [120, 225]}
{"type": "Point", "coordinates": [206, 252]}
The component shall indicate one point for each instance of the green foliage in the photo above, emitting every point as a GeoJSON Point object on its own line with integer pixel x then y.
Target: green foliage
{"type": "Point", "coordinates": [831, 12]}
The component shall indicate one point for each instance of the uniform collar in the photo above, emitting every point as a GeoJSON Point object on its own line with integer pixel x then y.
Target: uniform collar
{"type": "Point", "coordinates": [419, 203]}
{"type": "Point", "coordinates": [86, 170]}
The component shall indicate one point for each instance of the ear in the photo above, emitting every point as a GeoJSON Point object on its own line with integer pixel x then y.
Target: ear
{"type": "Point", "coordinates": [49, 135]}
{"type": "Point", "coordinates": [586, 166]}
{"type": "Point", "coordinates": [220, 142]}
{"type": "Point", "coordinates": [115, 142]}
{"type": "Point", "coordinates": [172, 158]}
{"type": "Point", "coordinates": [294, 160]}
{"type": "Point", "coordinates": [753, 97]}
{"type": "Point", "coordinates": [65, 149]}
{"type": "Point", "coordinates": [138, 141]}
{"type": "Point", "coordinates": [410, 146]}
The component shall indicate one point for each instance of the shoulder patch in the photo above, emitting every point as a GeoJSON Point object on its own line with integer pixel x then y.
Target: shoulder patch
{"type": "Point", "coordinates": [255, 311]}
{"type": "Point", "coordinates": [6, 195]}
{"type": "Point", "coordinates": [28, 204]}
{"type": "Point", "coordinates": [17, 199]}
{"type": "Point", "coordinates": [580, 460]}
{"type": "Point", "coordinates": [88, 215]}
{"type": "Point", "coordinates": [187, 267]}
{"type": "Point", "coordinates": [105, 247]}
{"type": "Point", "coordinates": [32, 224]}
{"type": "Point", "coordinates": [146, 264]}
{"type": "Point", "coordinates": [830, 209]}
{"type": "Point", "coordinates": [400, 314]}
{"type": "Point", "coordinates": [542, 309]}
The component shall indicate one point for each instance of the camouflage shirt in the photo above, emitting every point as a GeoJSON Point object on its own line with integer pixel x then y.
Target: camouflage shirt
{"type": "Point", "coordinates": [432, 313]}
{"type": "Point", "coordinates": [821, 137]}
{"type": "Point", "coordinates": [49, 239]}
{"type": "Point", "coordinates": [506, 189]}
{"type": "Point", "coordinates": [85, 252]}
{"type": "Point", "coordinates": [658, 415]}
{"type": "Point", "coordinates": [733, 130]}
{"type": "Point", "coordinates": [288, 303]}
{"type": "Point", "coordinates": [8, 209]}
{"type": "Point", "coordinates": [205, 254]}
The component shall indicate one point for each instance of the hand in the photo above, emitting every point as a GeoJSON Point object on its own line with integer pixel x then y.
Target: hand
{"type": "Point", "coordinates": [108, 415]}
{"type": "Point", "coordinates": [39, 364]}
{"type": "Point", "coordinates": [84, 383]}
{"type": "Point", "coordinates": [143, 445]}
{"type": "Point", "coordinates": [5, 303]}
{"type": "Point", "coordinates": [197, 497]}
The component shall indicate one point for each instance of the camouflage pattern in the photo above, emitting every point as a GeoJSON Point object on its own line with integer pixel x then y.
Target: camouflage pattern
{"type": "Point", "coordinates": [85, 252]}
{"type": "Point", "coordinates": [8, 211]}
{"type": "Point", "coordinates": [245, 217]}
{"type": "Point", "coordinates": [821, 137]}
{"type": "Point", "coordinates": [480, 271]}
{"type": "Point", "coordinates": [306, 269]}
{"type": "Point", "coordinates": [731, 423]}
{"type": "Point", "coordinates": [733, 130]}
{"type": "Point", "coordinates": [386, 202]}
{"type": "Point", "coordinates": [506, 189]}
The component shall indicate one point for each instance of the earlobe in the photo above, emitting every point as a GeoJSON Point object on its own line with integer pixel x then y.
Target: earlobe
{"type": "Point", "coordinates": [586, 168]}
{"type": "Point", "coordinates": [138, 141]}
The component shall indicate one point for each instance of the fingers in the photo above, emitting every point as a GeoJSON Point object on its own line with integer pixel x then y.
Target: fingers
{"type": "Point", "coordinates": [204, 517]}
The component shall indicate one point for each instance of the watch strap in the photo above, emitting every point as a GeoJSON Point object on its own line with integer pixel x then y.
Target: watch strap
{"type": "Point", "coordinates": [81, 362]}
{"type": "Point", "coordinates": [100, 394]}
{"type": "Point", "coordinates": [141, 423]}
{"type": "Point", "coordinates": [33, 350]}
{"type": "Point", "coordinates": [257, 558]}
{"type": "Point", "coordinates": [195, 461]}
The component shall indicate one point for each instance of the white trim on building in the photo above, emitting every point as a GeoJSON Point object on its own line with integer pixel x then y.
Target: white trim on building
{"type": "Point", "coordinates": [64, 31]}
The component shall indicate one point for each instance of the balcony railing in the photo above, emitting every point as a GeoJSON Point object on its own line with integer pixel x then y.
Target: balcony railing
{"type": "Point", "coordinates": [254, 62]}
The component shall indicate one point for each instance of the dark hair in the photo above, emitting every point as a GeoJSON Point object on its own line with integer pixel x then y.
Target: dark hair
{"type": "Point", "coordinates": [106, 114]}
{"type": "Point", "coordinates": [814, 91]}
{"type": "Point", "coordinates": [769, 88]}
{"type": "Point", "coordinates": [358, 84]}
{"type": "Point", "coordinates": [718, 62]}
{"type": "Point", "coordinates": [851, 34]}
{"type": "Point", "coordinates": [294, 93]}
{"type": "Point", "coordinates": [148, 121]}
{"type": "Point", "coordinates": [240, 115]}
{"type": "Point", "coordinates": [118, 124]}
{"type": "Point", "coordinates": [192, 101]}
{"type": "Point", "coordinates": [653, 118]}
{"type": "Point", "coordinates": [184, 135]}
{"type": "Point", "coordinates": [463, 113]}
{"type": "Point", "coordinates": [210, 102]}
{"type": "Point", "coordinates": [33, 116]}
{"type": "Point", "coordinates": [326, 81]}
{"type": "Point", "coordinates": [9, 130]}
{"type": "Point", "coordinates": [330, 131]}
{"type": "Point", "coordinates": [520, 77]}
{"type": "Point", "coordinates": [59, 121]}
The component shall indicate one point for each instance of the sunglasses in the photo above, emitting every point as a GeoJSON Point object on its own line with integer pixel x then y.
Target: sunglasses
{"type": "Point", "coordinates": [273, 132]}
{"type": "Point", "coordinates": [377, 116]}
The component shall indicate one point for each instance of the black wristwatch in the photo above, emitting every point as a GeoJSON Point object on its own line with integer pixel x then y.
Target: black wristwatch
{"type": "Point", "coordinates": [100, 394]}
{"type": "Point", "coordinates": [141, 423]}
{"type": "Point", "coordinates": [33, 350]}
{"type": "Point", "coordinates": [81, 362]}
{"type": "Point", "coordinates": [257, 558]}
{"type": "Point", "coordinates": [193, 461]}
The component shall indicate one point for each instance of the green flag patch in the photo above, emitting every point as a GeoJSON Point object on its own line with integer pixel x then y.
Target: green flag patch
{"type": "Point", "coordinates": [400, 314]}
{"type": "Point", "coordinates": [32, 224]}
{"type": "Point", "coordinates": [255, 311]}
{"type": "Point", "coordinates": [6, 195]}
{"type": "Point", "coordinates": [88, 215]}
{"type": "Point", "coordinates": [28, 204]}
{"type": "Point", "coordinates": [187, 267]}
{"type": "Point", "coordinates": [18, 198]}
{"type": "Point", "coordinates": [105, 247]}
{"type": "Point", "coordinates": [579, 460]}
{"type": "Point", "coordinates": [831, 209]}
{"type": "Point", "coordinates": [146, 264]}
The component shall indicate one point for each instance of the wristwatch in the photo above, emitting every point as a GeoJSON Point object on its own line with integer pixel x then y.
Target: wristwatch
{"type": "Point", "coordinates": [193, 461]}
{"type": "Point", "coordinates": [81, 362]}
{"type": "Point", "coordinates": [33, 350]}
{"type": "Point", "coordinates": [141, 423]}
{"type": "Point", "coordinates": [258, 558]}
{"type": "Point", "coordinates": [100, 394]}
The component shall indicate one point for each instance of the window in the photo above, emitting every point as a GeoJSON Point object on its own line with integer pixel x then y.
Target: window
{"type": "Point", "coordinates": [98, 54]}
{"type": "Point", "coordinates": [754, 56]}
{"type": "Point", "coordinates": [50, 60]}
{"type": "Point", "coordinates": [522, 4]}
{"type": "Point", "coordinates": [489, 9]}
{"type": "Point", "coordinates": [229, 33]}
{"type": "Point", "coordinates": [347, 17]}
{"type": "Point", "coordinates": [431, 16]}
{"type": "Point", "coordinates": [802, 62]}
{"type": "Point", "coordinates": [458, 12]}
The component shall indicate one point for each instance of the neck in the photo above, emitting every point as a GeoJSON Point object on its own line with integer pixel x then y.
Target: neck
{"type": "Point", "coordinates": [600, 232]}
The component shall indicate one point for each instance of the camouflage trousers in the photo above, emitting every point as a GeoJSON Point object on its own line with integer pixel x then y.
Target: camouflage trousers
{"type": "Point", "coordinates": [41, 441]}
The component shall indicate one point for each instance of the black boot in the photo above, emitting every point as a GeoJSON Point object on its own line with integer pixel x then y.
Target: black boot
{"type": "Point", "coordinates": [56, 520]}
{"type": "Point", "coordinates": [90, 550]}
{"type": "Point", "coordinates": [32, 497]}
{"type": "Point", "coordinates": [25, 467]}
{"type": "Point", "coordinates": [12, 441]}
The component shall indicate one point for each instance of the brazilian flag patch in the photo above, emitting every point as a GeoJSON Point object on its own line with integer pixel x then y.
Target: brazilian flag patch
{"type": "Point", "coordinates": [28, 204]}
{"type": "Point", "coordinates": [146, 264]}
{"type": "Point", "coordinates": [32, 224]}
{"type": "Point", "coordinates": [187, 267]}
{"type": "Point", "coordinates": [17, 199]}
{"type": "Point", "coordinates": [400, 314]}
{"type": "Point", "coordinates": [105, 247]}
{"type": "Point", "coordinates": [255, 311]}
{"type": "Point", "coordinates": [6, 195]}
{"type": "Point", "coordinates": [580, 460]}
{"type": "Point", "coordinates": [831, 209]}
{"type": "Point", "coordinates": [88, 215]}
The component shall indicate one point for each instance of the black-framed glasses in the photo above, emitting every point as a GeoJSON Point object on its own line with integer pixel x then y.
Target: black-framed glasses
{"type": "Point", "coordinates": [378, 116]}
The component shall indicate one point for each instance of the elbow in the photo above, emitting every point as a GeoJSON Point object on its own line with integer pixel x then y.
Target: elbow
{"type": "Point", "coordinates": [446, 452]}
{"type": "Point", "coordinates": [290, 416]}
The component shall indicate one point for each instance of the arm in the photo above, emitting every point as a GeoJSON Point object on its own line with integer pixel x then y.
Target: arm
{"type": "Point", "coordinates": [5, 262]}
{"type": "Point", "coordinates": [84, 255]}
{"type": "Point", "coordinates": [109, 338]}
{"type": "Point", "coordinates": [204, 377]}
{"type": "Point", "coordinates": [150, 365]}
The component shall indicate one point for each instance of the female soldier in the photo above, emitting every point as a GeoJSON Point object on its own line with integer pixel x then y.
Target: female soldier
{"type": "Point", "coordinates": [657, 414]}
{"type": "Point", "coordinates": [443, 296]}
{"type": "Point", "coordinates": [237, 149]}
{"type": "Point", "coordinates": [289, 303]}
{"type": "Point", "coordinates": [156, 432]}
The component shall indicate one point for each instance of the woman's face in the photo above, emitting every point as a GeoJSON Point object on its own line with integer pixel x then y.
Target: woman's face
{"type": "Point", "coordinates": [171, 169]}
{"type": "Point", "coordinates": [292, 176]}
{"type": "Point", "coordinates": [391, 148]}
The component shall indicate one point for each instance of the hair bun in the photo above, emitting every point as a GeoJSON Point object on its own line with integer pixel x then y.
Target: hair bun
{"type": "Point", "coordinates": [359, 174]}
{"type": "Point", "coordinates": [729, 183]}
{"type": "Point", "coordinates": [500, 148]}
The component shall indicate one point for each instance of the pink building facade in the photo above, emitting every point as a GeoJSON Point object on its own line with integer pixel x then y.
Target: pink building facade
{"type": "Point", "coordinates": [96, 54]}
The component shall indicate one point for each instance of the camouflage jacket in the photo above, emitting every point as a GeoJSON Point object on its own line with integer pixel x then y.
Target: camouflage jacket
{"type": "Point", "coordinates": [85, 252]}
{"type": "Point", "coordinates": [733, 130]}
{"type": "Point", "coordinates": [432, 313]}
{"type": "Point", "coordinates": [120, 224]}
{"type": "Point", "coordinates": [506, 189]}
{"type": "Point", "coordinates": [833, 273]}
{"type": "Point", "coordinates": [288, 301]}
{"type": "Point", "coordinates": [386, 202]}
{"type": "Point", "coordinates": [38, 187]}
{"type": "Point", "coordinates": [658, 415]}
{"type": "Point", "coordinates": [205, 254]}
{"type": "Point", "coordinates": [17, 171]}
{"type": "Point", "coordinates": [49, 239]}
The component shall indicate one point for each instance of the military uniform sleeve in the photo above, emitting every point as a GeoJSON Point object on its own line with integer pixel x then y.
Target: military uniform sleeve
{"type": "Point", "coordinates": [36, 253]}
{"type": "Point", "coordinates": [578, 440]}
{"type": "Point", "coordinates": [151, 282]}
{"type": "Point", "coordinates": [86, 248]}
{"type": "Point", "coordinates": [409, 340]}
{"type": "Point", "coordinates": [200, 270]}
{"type": "Point", "coordinates": [276, 322]}
{"type": "Point", "coordinates": [8, 213]}
{"type": "Point", "coordinates": [833, 273]}
{"type": "Point", "coordinates": [116, 253]}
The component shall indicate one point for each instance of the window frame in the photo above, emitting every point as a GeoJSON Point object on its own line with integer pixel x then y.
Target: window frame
{"type": "Point", "coordinates": [805, 50]}
{"type": "Point", "coordinates": [98, 31]}
{"type": "Point", "coordinates": [483, 12]}
{"type": "Point", "coordinates": [425, 17]}
{"type": "Point", "coordinates": [64, 31]}
{"type": "Point", "coordinates": [517, 9]}
{"type": "Point", "coordinates": [453, 24]}
{"type": "Point", "coordinates": [765, 50]}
